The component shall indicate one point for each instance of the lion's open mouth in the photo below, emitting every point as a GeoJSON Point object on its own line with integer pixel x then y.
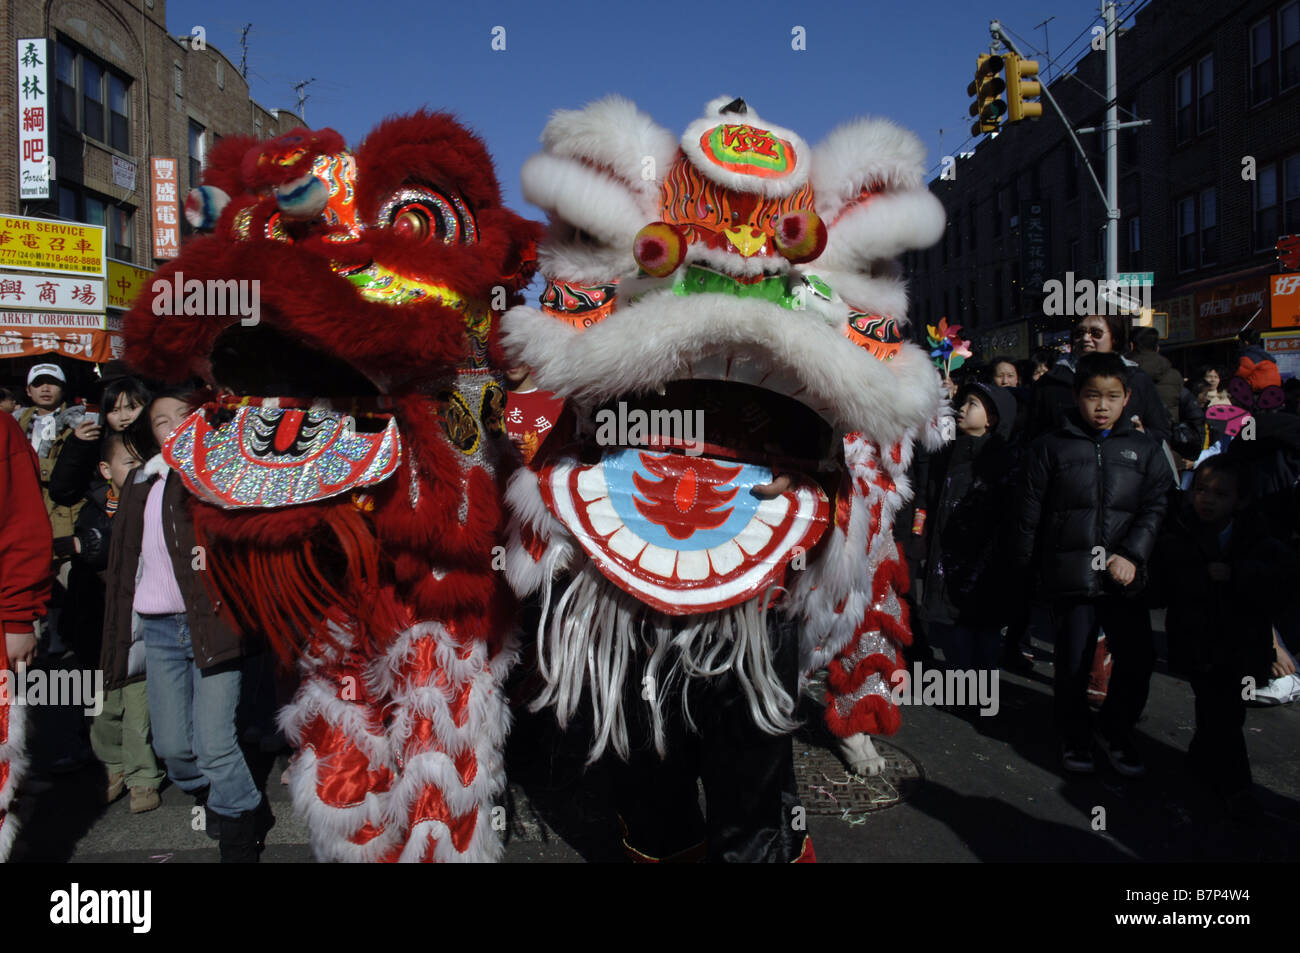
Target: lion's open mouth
{"type": "Point", "coordinates": [291, 425]}
{"type": "Point", "coordinates": [260, 361]}
{"type": "Point", "coordinates": [728, 419]}
{"type": "Point", "coordinates": [694, 497]}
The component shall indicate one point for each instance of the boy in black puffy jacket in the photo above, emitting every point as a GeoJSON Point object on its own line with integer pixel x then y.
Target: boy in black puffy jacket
{"type": "Point", "coordinates": [1093, 494]}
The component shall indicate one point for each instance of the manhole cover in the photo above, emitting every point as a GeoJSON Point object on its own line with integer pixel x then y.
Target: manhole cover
{"type": "Point", "coordinates": [827, 787]}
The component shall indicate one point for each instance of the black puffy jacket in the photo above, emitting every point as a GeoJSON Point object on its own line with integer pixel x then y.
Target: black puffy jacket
{"type": "Point", "coordinates": [970, 512]}
{"type": "Point", "coordinates": [82, 620]}
{"type": "Point", "coordinates": [1080, 491]}
{"type": "Point", "coordinates": [76, 471]}
{"type": "Point", "coordinates": [1053, 398]}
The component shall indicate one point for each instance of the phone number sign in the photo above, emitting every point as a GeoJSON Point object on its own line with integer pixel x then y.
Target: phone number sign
{"type": "Point", "coordinates": [37, 244]}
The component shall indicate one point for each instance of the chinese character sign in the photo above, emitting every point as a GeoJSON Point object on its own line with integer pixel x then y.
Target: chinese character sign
{"type": "Point", "coordinates": [51, 292]}
{"type": "Point", "coordinates": [42, 245]}
{"type": "Point", "coordinates": [166, 209]}
{"type": "Point", "coordinates": [33, 120]}
{"type": "Point", "coordinates": [1286, 300]}
{"type": "Point", "coordinates": [1035, 260]}
{"type": "Point", "coordinates": [125, 282]}
{"type": "Point", "coordinates": [41, 333]}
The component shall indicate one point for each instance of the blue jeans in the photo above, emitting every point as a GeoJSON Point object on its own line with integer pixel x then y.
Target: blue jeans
{"type": "Point", "coordinates": [193, 717]}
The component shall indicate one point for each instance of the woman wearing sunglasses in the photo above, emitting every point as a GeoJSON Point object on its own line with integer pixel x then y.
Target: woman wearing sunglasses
{"type": "Point", "coordinates": [1054, 391]}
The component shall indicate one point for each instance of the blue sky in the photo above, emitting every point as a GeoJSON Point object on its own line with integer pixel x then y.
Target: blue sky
{"type": "Point", "coordinates": [910, 62]}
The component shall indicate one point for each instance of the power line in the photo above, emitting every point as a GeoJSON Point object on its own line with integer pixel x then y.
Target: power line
{"type": "Point", "coordinates": [302, 97]}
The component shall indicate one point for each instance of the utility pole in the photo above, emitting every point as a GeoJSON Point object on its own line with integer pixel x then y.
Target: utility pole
{"type": "Point", "coordinates": [243, 51]}
{"type": "Point", "coordinates": [1109, 194]}
{"type": "Point", "coordinates": [1112, 144]}
{"type": "Point", "coordinates": [302, 97]}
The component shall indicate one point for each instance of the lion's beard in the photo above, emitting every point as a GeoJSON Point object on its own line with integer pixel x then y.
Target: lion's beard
{"type": "Point", "coordinates": [595, 631]}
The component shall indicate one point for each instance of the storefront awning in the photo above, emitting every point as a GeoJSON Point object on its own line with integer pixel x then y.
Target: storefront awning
{"type": "Point", "coordinates": [1184, 344]}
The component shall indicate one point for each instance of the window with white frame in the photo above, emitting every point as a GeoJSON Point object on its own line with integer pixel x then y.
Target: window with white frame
{"type": "Point", "coordinates": [92, 97]}
{"type": "Point", "coordinates": [1276, 201]}
{"type": "Point", "coordinates": [196, 153]}
{"type": "Point", "coordinates": [1209, 227]}
{"type": "Point", "coordinates": [79, 205]}
{"type": "Point", "coordinates": [1205, 94]}
{"type": "Point", "coordinates": [1133, 243]}
{"type": "Point", "coordinates": [1184, 105]}
{"type": "Point", "coordinates": [1185, 220]}
{"type": "Point", "coordinates": [1288, 44]}
{"type": "Point", "coordinates": [1194, 99]}
{"type": "Point", "coordinates": [1262, 62]}
{"type": "Point", "coordinates": [1266, 211]}
{"type": "Point", "coordinates": [1274, 47]}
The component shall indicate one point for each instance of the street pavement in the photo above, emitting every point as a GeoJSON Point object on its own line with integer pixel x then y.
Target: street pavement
{"type": "Point", "coordinates": [981, 789]}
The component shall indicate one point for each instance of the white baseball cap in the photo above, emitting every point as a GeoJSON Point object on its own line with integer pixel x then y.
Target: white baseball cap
{"type": "Point", "coordinates": [46, 370]}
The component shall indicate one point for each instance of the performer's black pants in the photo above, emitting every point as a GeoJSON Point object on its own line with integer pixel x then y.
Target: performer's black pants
{"type": "Point", "coordinates": [748, 775]}
{"type": "Point", "coordinates": [1128, 636]}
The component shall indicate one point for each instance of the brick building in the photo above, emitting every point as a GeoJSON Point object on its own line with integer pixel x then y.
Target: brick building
{"type": "Point", "coordinates": [1205, 189]}
{"type": "Point", "coordinates": [121, 85]}
{"type": "Point", "coordinates": [121, 89]}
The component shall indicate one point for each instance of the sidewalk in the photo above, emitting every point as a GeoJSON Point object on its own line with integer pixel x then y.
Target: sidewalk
{"type": "Point", "coordinates": [992, 790]}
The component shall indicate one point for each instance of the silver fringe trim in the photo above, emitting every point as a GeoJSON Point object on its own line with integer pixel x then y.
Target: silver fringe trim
{"type": "Point", "coordinates": [595, 629]}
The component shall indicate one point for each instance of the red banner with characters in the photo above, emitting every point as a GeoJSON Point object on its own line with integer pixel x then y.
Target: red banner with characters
{"type": "Point", "coordinates": [1223, 310]}
{"type": "Point", "coordinates": [39, 333]}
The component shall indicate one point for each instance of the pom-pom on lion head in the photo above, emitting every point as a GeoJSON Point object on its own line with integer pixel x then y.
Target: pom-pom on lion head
{"type": "Point", "coordinates": [737, 252]}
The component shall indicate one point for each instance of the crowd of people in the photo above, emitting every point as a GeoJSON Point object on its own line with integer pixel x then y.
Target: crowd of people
{"type": "Point", "coordinates": [121, 599]}
{"type": "Point", "coordinates": [1100, 485]}
{"type": "Point", "coordinates": [1096, 482]}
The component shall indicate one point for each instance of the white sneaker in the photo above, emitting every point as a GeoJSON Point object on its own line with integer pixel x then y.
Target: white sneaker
{"type": "Point", "coordinates": [1279, 691]}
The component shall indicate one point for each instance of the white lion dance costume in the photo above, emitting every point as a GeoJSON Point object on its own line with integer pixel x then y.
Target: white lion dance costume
{"type": "Point", "coordinates": [738, 281]}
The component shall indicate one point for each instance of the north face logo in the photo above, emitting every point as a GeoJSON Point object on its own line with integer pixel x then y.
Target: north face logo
{"type": "Point", "coordinates": [1128, 454]}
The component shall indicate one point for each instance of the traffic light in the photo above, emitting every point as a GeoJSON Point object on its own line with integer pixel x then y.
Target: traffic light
{"type": "Point", "coordinates": [988, 108]}
{"type": "Point", "coordinates": [1022, 84]}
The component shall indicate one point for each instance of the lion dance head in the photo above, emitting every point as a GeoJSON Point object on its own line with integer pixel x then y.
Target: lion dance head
{"type": "Point", "coordinates": [725, 313]}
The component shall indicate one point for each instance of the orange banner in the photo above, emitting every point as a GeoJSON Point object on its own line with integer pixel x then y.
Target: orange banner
{"type": "Point", "coordinates": [83, 345]}
{"type": "Point", "coordinates": [1286, 300]}
{"type": "Point", "coordinates": [166, 208]}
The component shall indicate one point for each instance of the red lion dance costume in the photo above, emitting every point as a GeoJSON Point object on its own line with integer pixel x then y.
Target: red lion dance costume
{"type": "Point", "coordinates": [741, 275]}
{"type": "Point", "coordinates": [345, 473]}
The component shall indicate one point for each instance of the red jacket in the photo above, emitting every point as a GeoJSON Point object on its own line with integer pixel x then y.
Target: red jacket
{"type": "Point", "coordinates": [26, 541]}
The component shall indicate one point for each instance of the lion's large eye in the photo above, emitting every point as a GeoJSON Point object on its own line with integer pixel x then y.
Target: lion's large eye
{"type": "Point", "coordinates": [422, 215]}
{"type": "Point", "coordinates": [412, 223]}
